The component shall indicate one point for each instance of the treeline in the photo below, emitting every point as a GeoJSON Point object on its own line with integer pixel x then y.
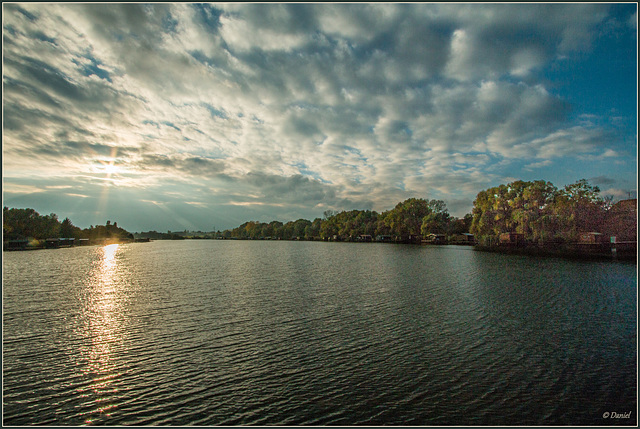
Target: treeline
{"type": "Point", "coordinates": [407, 221]}
{"type": "Point", "coordinates": [21, 224]}
{"type": "Point", "coordinates": [155, 235]}
{"type": "Point", "coordinates": [537, 210]}
{"type": "Point", "coordinates": [543, 213]}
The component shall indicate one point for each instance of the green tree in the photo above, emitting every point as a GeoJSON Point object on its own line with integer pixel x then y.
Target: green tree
{"type": "Point", "coordinates": [329, 227]}
{"type": "Point", "coordinates": [493, 210]}
{"type": "Point", "coordinates": [437, 220]}
{"type": "Point", "coordinates": [406, 217]}
{"type": "Point", "coordinates": [299, 228]}
{"type": "Point", "coordinates": [312, 231]}
{"type": "Point", "coordinates": [460, 226]}
{"type": "Point", "coordinates": [69, 230]}
{"type": "Point", "coordinates": [577, 208]}
{"type": "Point", "coordinates": [538, 210]}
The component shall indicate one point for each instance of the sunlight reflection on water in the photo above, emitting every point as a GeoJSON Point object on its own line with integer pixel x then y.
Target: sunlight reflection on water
{"type": "Point", "coordinates": [293, 333]}
{"type": "Point", "coordinates": [103, 325]}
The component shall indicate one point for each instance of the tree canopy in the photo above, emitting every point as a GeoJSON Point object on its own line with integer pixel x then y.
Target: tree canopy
{"type": "Point", "coordinates": [539, 211]}
{"type": "Point", "coordinates": [412, 217]}
{"type": "Point", "coordinates": [536, 209]}
{"type": "Point", "coordinates": [27, 223]}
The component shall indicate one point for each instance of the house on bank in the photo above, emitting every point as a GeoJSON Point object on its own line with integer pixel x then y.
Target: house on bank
{"type": "Point", "coordinates": [622, 221]}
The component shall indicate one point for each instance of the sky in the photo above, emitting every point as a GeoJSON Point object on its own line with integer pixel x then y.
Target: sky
{"type": "Point", "coordinates": [177, 116]}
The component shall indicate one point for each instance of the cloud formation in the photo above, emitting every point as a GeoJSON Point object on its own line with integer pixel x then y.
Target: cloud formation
{"type": "Point", "coordinates": [299, 107]}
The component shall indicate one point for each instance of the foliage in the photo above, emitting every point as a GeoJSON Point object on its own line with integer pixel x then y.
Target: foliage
{"type": "Point", "coordinates": [107, 231]}
{"type": "Point", "coordinates": [68, 229]}
{"type": "Point", "coordinates": [438, 220]}
{"type": "Point", "coordinates": [410, 217]}
{"type": "Point", "coordinates": [27, 224]}
{"type": "Point", "coordinates": [155, 235]}
{"type": "Point", "coordinates": [407, 217]}
{"type": "Point", "coordinates": [538, 210]}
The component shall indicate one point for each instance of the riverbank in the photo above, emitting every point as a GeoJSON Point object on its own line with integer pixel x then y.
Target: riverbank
{"type": "Point", "coordinates": [617, 252]}
{"type": "Point", "coordinates": [625, 251]}
{"type": "Point", "coordinates": [57, 243]}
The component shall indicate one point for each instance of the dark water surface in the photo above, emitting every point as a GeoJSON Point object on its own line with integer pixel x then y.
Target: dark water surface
{"type": "Point", "coordinates": [208, 332]}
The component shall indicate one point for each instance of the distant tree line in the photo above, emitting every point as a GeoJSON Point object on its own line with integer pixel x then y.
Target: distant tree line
{"type": "Point", "coordinates": [28, 224]}
{"type": "Point", "coordinates": [537, 210]}
{"type": "Point", "coordinates": [413, 217]}
{"type": "Point", "coordinates": [155, 235]}
{"type": "Point", "coordinates": [543, 213]}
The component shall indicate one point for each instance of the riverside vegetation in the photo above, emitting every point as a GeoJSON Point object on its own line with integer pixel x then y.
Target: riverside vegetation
{"type": "Point", "coordinates": [537, 210]}
{"type": "Point", "coordinates": [27, 224]}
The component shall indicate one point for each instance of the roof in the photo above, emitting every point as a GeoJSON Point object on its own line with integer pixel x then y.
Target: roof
{"type": "Point", "coordinates": [625, 205]}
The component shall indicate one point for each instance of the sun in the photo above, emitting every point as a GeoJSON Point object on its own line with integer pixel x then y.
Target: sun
{"type": "Point", "coordinates": [110, 168]}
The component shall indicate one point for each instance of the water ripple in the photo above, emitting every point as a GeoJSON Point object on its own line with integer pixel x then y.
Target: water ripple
{"type": "Point", "coordinates": [270, 333]}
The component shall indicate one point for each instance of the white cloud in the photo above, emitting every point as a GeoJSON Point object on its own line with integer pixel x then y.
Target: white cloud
{"type": "Point", "coordinates": [241, 35]}
{"type": "Point", "coordinates": [540, 164]}
{"type": "Point", "coordinates": [321, 104]}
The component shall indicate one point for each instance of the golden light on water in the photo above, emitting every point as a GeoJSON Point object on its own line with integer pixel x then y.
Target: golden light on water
{"type": "Point", "coordinates": [109, 260]}
{"type": "Point", "coordinates": [104, 328]}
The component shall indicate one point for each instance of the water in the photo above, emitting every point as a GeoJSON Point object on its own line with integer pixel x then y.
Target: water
{"type": "Point", "coordinates": [293, 333]}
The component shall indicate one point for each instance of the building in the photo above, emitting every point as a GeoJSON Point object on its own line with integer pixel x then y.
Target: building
{"type": "Point", "coordinates": [464, 238]}
{"type": "Point", "coordinates": [511, 239]}
{"type": "Point", "coordinates": [384, 238]}
{"type": "Point", "coordinates": [591, 238]}
{"type": "Point", "coordinates": [15, 245]}
{"type": "Point", "coordinates": [435, 239]}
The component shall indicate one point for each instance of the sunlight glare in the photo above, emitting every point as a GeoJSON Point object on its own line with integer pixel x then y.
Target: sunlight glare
{"type": "Point", "coordinates": [109, 255]}
{"type": "Point", "coordinates": [111, 168]}
{"type": "Point", "coordinates": [105, 331]}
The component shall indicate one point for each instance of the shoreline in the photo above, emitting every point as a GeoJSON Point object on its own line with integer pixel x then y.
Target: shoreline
{"type": "Point", "coordinates": [600, 253]}
{"type": "Point", "coordinates": [624, 252]}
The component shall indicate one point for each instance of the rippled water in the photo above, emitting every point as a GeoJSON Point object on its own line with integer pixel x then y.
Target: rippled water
{"type": "Point", "coordinates": [295, 333]}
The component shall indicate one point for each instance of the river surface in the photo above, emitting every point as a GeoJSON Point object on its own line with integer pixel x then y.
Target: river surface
{"type": "Point", "coordinates": [204, 332]}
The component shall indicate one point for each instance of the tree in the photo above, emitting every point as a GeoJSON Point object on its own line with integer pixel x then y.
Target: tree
{"type": "Point", "coordinates": [68, 230]}
{"type": "Point", "coordinates": [313, 230]}
{"type": "Point", "coordinates": [509, 208]}
{"type": "Point", "coordinates": [329, 228]}
{"type": "Point", "coordinates": [538, 211]}
{"type": "Point", "coordinates": [578, 208]}
{"type": "Point", "coordinates": [27, 223]}
{"type": "Point", "coordinates": [460, 226]}
{"type": "Point", "coordinates": [277, 228]}
{"type": "Point", "coordinates": [299, 228]}
{"type": "Point", "coordinates": [406, 218]}
{"type": "Point", "coordinates": [437, 221]}
{"type": "Point", "coordinates": [252, 230]}
{"type": "Point", "coordinates": [267, 230]}
{"type": "Point", "coordinates": [329, 213]}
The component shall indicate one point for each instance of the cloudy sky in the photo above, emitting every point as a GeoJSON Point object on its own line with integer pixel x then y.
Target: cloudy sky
{"type": "Point", "coordinates": [202, 116]}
